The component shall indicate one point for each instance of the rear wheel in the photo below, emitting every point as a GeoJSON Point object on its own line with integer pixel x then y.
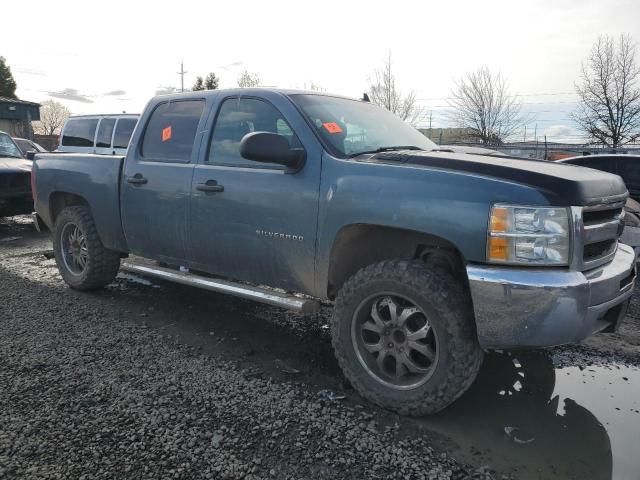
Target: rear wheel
{"type": "Point", "coordinates": [84, 263]}
{"type": "Point", "coordinates": [404, 336]}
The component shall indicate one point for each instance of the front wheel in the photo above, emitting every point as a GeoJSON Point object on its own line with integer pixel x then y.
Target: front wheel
{"type": "Point", "coordinates": [84, 263]}
{"type": "Point", "coordinates": [404, 336]}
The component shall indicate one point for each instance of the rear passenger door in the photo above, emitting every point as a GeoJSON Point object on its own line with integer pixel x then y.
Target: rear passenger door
{"type": "Point", "coordinates": [105, 135]}
{"type": "Point", "coordinates": [156, 183]}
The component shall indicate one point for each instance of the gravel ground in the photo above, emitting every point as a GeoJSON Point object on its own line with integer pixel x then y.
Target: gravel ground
{"type": "Point", "coordinates": [95, 386]}
{"type": "Point", "coordinates": [148, 379]}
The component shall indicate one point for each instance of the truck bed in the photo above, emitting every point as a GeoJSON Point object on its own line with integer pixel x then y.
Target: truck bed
{"type": "Point", "coordinates": [92, 179]}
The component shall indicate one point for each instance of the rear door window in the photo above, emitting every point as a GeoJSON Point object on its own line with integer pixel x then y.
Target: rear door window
{"type": "Point", "coordinates": [124, 130]}
{"type": "Point", "coordinates": [79, 132]}
{"type": "Point", "coordinates": [105, 132]}
{"type": "Point", "coordinates": [171, 131]}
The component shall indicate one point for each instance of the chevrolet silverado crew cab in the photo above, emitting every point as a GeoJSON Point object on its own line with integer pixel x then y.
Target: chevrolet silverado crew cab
{"type": "Point", "coordinates": [293, 198]}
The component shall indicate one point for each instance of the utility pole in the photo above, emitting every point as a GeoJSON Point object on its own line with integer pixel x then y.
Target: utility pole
{"type": "Point", "coordinates": [182, 73]}
{"type": "Point", "coordinates": [430, 117]}
{"type": "Point", "coordinates": [546, 151]}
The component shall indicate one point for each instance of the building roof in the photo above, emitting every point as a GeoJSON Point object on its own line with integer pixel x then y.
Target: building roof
{"type": "Point", "coordinates": [18, 110]}
{"type": "Point", "coordinates": [17, 101]}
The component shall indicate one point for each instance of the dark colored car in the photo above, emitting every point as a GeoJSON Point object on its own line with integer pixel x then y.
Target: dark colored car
{"type": "Point", "coordinates": [628, 168]}
{"type": "Point", "coordinates": [15, 179]}
{"type": "Point", "coordinates": [25, 145]}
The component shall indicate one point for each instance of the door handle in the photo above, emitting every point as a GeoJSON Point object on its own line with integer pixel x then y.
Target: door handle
{"type": "Point", "coordinates": [210, 186]}
{"type": "Point", "coordinates": [137, 179]}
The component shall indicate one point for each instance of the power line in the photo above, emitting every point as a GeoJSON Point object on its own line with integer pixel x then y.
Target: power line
{"type": "Point", "coordinates": [545, 94]}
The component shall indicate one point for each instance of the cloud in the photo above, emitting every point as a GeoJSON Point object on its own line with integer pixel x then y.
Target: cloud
{"type": "Point", "coordinates": [166, 90]}
{"type": "Point", "coordinates": [229, 65]}
{"type": "Point", "coordinates": [30, 71]}
{"type": "Point", "coordinates": [70, 94]}
{"type": "Point", "coordinates": [115, 93]}
{"type": "Point", "coordinates": [563, 133]}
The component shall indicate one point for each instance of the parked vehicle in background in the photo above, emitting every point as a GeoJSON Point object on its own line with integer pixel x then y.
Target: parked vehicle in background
{"type": "Point", "coordinates": [628, 168]}
{"type": "Point", "coordinates": [625, 165]}
{"type": "Point", "coordinates": [25, 145]}
{"type": "Point", "coordinates": [289, 197]}
{"type": "Point", "coordinates": [101, 134]}
{"type": "Point", "coordinates": [15, 179]}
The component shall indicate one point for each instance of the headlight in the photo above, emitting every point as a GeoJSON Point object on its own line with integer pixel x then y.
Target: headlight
{"type": "Point", "coordinates": [528, 235]}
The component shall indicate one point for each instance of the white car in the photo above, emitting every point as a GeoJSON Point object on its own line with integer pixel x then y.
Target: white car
{"type": "Point", "coordinates": [102, 134]}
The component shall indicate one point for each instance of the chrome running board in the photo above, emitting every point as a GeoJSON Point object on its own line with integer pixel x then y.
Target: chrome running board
{"type": "Point", "coordinates": [264, 295]}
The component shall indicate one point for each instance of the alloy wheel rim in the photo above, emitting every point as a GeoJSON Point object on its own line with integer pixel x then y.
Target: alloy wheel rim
{"type": "Point", "coordinates": [394, 341]}
{"type": "Point", "coordinates": [74, 249]}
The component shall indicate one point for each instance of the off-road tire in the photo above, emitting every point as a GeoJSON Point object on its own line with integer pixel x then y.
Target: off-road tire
{"type": "Point", "coordinates": [448, 307]}
{"type": "Point", "coordinates": [102, 264]}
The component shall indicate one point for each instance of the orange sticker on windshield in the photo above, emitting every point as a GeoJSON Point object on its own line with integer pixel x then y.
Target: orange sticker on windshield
{"type": "Point", "coordinates": [332, 127]}
{"type": "Point", "coordinates": [166, 133]}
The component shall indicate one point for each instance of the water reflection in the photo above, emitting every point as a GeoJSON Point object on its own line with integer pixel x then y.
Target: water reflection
{"type": "Point", "coordinates": [517, 417]}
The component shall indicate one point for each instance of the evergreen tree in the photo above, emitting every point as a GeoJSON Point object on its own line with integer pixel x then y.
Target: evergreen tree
{"type": "Point", "coordinates": [211, 83]}
{"type": "Point", "coordinates": [7, 83]}
{"type": "Point", "coordinates": [199, 85]}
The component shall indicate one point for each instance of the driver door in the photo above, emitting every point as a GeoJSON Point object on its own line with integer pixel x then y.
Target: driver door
{"type": "Point", "coordinates": [260, 223]}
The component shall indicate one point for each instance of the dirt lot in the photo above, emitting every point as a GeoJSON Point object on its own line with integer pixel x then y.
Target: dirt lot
{"type": "Point", "coordinates": [154, 380]}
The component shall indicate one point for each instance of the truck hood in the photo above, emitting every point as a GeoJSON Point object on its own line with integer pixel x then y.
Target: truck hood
{"type": "Point", "coordinates": [562, 184]}
{"type": "Point", "coordinates": [14, 165]}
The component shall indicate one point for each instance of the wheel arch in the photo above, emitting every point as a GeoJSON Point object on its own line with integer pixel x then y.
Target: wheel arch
{"type": "Point", "coordinates": [358, 245]}
{"type": "Point", "coordinates": [59, 200]}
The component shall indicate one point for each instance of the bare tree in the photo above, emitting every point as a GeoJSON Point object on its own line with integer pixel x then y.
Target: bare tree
{"type": "Point", "coordinates": [383, 92]}
{"type": "Point", "coordinates": [52, 116]}
{"type": "Point", "coordinates": [314, 87]}
{"type": "Point", "coordinates": [609, 108]}
{"type": "Point", "coordinates": [248, 79]}
{"type": "Point", "coordinates": [482, 104]}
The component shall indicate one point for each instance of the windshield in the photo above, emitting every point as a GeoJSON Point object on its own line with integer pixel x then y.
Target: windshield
{"type": "Point", "coordinates": [8, 148]}
{"type": "Point", "coordinates": [351, 127]}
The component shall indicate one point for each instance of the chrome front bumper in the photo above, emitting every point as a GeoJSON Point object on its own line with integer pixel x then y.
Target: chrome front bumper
{"type": "Point", "coordinates": [536, 307]}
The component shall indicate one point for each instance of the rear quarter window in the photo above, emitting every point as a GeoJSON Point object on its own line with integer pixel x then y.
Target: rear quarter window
{"type": "Point", "coordinates": [171, 131]}
{"type": "Point", "coordinates": [79, 132]}
{"type": "Point", "coordinates": [124, 130]}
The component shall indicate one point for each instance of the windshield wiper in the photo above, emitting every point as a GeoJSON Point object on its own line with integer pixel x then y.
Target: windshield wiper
{"type": "Point", "coordinates": [394, 148]}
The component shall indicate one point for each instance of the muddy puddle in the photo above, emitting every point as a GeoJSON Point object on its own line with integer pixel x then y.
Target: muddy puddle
{"type": "Point", "coordinates": [525, 417]}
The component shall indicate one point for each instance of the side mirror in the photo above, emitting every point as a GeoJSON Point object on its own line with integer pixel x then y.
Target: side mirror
{"type": "Point", "coordinates": [270, 147]}
{"type": "Point", "coordinates": [30, 155]}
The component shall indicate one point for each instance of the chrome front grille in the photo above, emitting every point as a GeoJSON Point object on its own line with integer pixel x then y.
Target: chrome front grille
{"type": "Point", "coordinates": [596, 229]}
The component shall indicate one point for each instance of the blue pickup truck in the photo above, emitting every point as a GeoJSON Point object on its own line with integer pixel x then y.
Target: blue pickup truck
{"type": "Point", "coordinates": [293, 198]}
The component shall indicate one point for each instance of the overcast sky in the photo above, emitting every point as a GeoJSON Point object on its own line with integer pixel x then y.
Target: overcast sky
{"type": "Point", "coordinates": [113, 56]}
